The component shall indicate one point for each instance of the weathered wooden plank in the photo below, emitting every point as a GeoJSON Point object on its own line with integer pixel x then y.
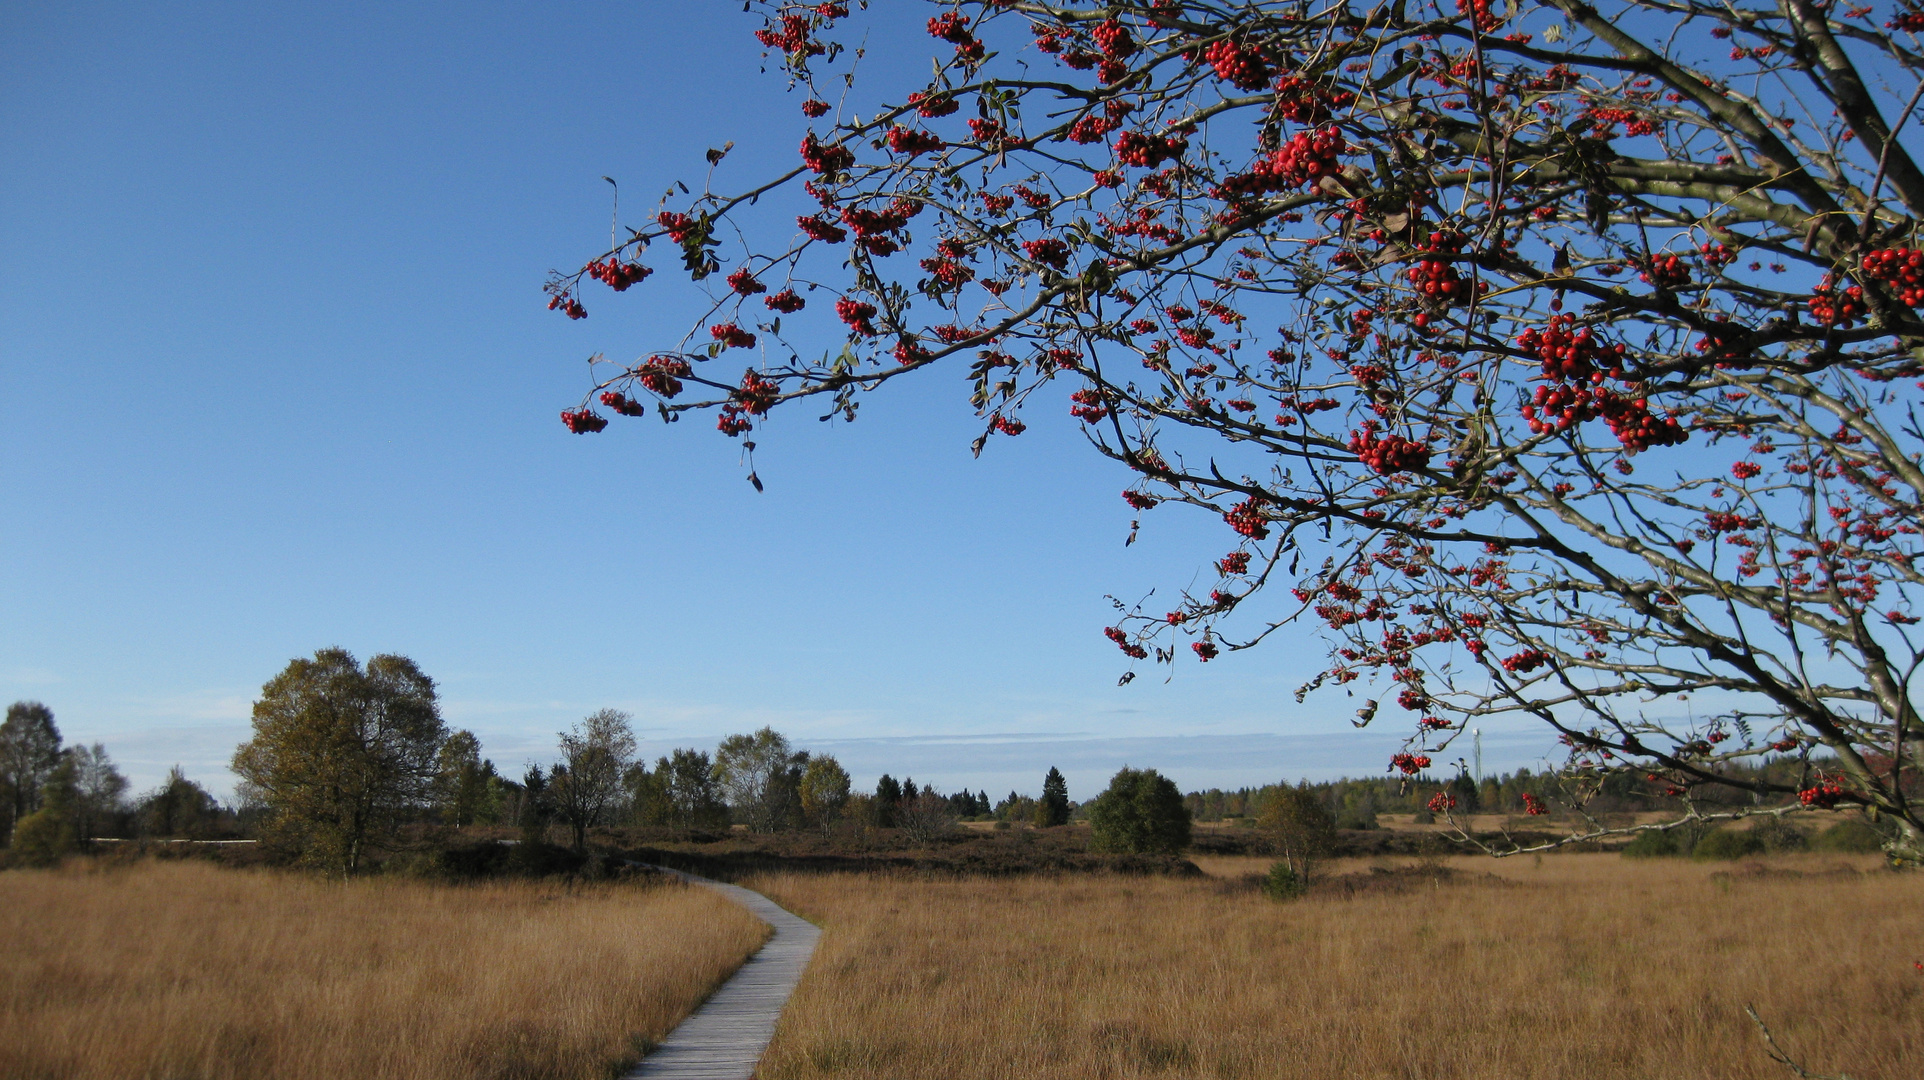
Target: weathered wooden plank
{"type": "Point", "coordinates": [724, 1039]}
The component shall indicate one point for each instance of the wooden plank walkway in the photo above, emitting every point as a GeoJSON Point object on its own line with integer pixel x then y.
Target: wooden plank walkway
{"type": "Point", "coordinates": [724, 1039]}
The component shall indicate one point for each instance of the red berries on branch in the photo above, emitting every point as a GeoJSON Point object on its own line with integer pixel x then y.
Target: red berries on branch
{"type": "Point", "coordinates": [1526, 661]}
{"type": "Point", "coordinates": [623, 404]}
{"type": "Point", "coordinates": [813, 108]}
{"type": "Point", "coordinates": [785, 302]}
{"type": "Point", "coordinates": [1148, 151]}
{"type": "Point", "coordinates": [662, 375]}
{"type": "Point", "coordinates": [1480, 14]}
{"type": "Point", "coordinates": [1665, 271]}
{"type": "Point", "coordinates": [857, 315]}
{"type": "Point", "coordinates": [583, 421]}
{"type": "Point", "coordinates": [1389, 454]}
{"type": "Point", "coordinates": [618, 275]}
{"type": "Point", "coordinates": [1533, 805]}
{"type": "Point", "coordinates": [911, 142]}
{"type": "Point", "coordinates": [732, 336]}
{"type": "Point", "coordinates": [744, 283]}
{"type": "Point", "coordinates": [1205, 650]}
{"type": "Point", "coordinates": [1238, 65]}
{"type": "Point", "coordinates": [1409, 764]}
{"type": "Point", "coordinates": [1899, 269]}
{"type": "Point", "coordinates": [1236, 562]}
{"type": "Point", "coordinates": [1246, 517]}
{"type": "Point", "coordinates": [1008, 425]}
{"type": "Point", "coordinates": [1089, 406]}
{"type": "Point", "coordinates": [932, 105]}
{"type": "Point", "coordinates": [1572, 354]}
{"type": "Point", "coordinates": [1113, 39]}
{"type": "Point", "coordinates": [1823, 796]}
{"type": "Point", "coordinates": [815, 227]}
{"type": "Point", "coordinates": [678, 226]}
{"type": "Point", "coordinates": [1832, 307]}
{"type": "Point", "coordinates": [1441, 803]}
{"type": "Point", "coordinates": [1129, 648]}
{"type": "Point", "coordinates": [825, 158]}
{"type": "Point", "coordinates": [1306, 102]}
{"type": "Point", "coordinates": [1303, 161]}
{"type": "Point", "coordinates": [792, 38]}
{"type": "Point", "coordinates": [1050, 252]}
{"type": "Point", "coordinates": [568, 305]}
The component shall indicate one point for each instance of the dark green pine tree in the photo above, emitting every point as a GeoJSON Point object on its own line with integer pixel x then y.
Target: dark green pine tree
{"type": "Point", "coordinates": [1054, 808]}
{"type": "Point", "coordinates": [887, 794]}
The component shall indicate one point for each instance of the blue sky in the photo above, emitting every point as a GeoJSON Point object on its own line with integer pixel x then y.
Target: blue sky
{"type": "Point", "coordinates": [276, 374]}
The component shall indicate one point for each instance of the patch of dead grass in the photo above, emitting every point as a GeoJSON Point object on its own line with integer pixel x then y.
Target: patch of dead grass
{"type": "Point", "coordinates": [1575, 967]}
{"type": "Point", "coordinates": [185, 970]}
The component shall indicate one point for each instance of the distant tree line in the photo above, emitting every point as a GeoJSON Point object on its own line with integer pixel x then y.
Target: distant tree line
{"type": "Point", "coordinates": [56, 797]}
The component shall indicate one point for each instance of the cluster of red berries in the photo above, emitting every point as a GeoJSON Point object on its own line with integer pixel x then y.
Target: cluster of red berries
{"type": "Point", "coordinates": [568, 305]}
{"type": "Point", "coordinates": [1205, 650]}
{"type": "Point", "coordinates": [934, 104]}
{"type": "Point", "coordinates": [1559, 408]}
{"type": "Point", "coordinates": [1114, 39]}
{"type": "Point", "coordinates": [1008, 425]}
{"type": "Point", "coordinates": [622, 403]}
{"type": "Point", "coordinates": [1089, 406]}
{"type": "Point", "coordinates": [857, 315]}
{"type": "Point", "coordinates": [618, 275]}
{"type": "Point", "coordinates": [1129, 648]}
{"type": "Point", "coordinates": [1304, 101]}
{"type": "Point", "coordinates": [1533, 805]}
{"type": "Point", "coordinates": [1437, 283]}
{"type": "Point", "coordinates": [1247, 518]}
{"type": "Point", "coordinates": [744, 283]}
{"type": "Point", "coordinates": [1526, 661]}
{"type": "Point", "coordinates": [732, 336]}
{"type": "Point", "coordinates": [1148, 151]}
{"type": "Point", "coordinates": [1745, 470]}
{"type": "Point", "coordinates": [825, 158]}
{"type": "Point", "coordinates": [583, 421]}
{"type": "Point", "coordinates": [909, 141]}
{"type": "Point", "coordinates": [1138, 501]}
{"type": "Point", "coordinates": [785, 302]}
{"type": "Point", "coordinates": [1901, 269]}
{"type": "Point", "coordinates": [1387, 454]}
{"type": "Point", "coordinates": [1665, 271]}
{"type": "Point", "coordinates": [662, 375]}
{"type": "Point", "coordinates": [1238, 65]}
{"type": "Point", "coordinates": [1236, 562]}
{"type": "Point", "coordinates": [1572, 354]}
{"type": "Point", "coordinates": [1307, 158]}
{"type": "Point", "coordinates": [1637, 428]}
{"type": "Point", "coordinates": [1831, 307]}
{"type": "Point", "coordinates": [1409, 764]}
{"type": "Point", "coordinates": [678, 226]}
{"type": "Point", "coordinates": [813, 108]}
{"type": "Point", "coordinates": [954, 28]}
{"type": "Point", "coordinates": [1050, 252]}
{"type": "Point", "coordinates": [792, 38]}
{"type": "Point", "coordinates": [1912, 21]}
{"type": "Point", "coordinates": [1480, 14]}
{"type": "Point", "coordinates": [1441, 803]}
{"type": "Point", "coordinates": [1823, 796]}
{"type": "Point", "coordinates": [817, 227]}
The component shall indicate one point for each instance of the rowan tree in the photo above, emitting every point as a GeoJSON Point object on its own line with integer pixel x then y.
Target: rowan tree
{"type": "Point", "coordinates": [339, 752]}
{"type": "Point", "coordinates": [1557, 361]}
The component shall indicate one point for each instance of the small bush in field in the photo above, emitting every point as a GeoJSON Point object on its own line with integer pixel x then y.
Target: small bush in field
{"type": "Point", "coordinates": [1727, 844]}
{"type": "Point", "coordinates": [1853, 835]}
{"type": "Point", "coordinates": [1141, 813]}
{"type": "Point", "coordinates": [1283, 882]}
{"type": "Point", "coordinates": [1778, 835]}
{"type": "Point", "coordinates": [1652, 845]}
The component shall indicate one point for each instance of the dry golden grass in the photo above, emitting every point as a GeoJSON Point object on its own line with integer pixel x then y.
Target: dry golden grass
{"type": "Point", "coordinates": [186, 971]}
{"type": "Point", "coordinates": [1576, 966]}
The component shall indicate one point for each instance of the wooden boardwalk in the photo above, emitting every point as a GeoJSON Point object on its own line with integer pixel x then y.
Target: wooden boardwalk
{"type": "Point", "coordinates": [724, 1039]}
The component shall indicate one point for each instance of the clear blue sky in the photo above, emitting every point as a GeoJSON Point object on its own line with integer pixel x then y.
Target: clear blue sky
{"type": "Point", "coordinates": [276, 374]}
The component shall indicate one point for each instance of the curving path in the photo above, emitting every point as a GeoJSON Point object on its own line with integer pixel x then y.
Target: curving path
{"type": "Point", "coordinates": [724, 1039]}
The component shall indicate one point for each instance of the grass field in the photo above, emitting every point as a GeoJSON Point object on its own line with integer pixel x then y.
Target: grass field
{"type": "Point", "coordinates": [1573, 966]}
{"type": "Point", "coordinates": [186, 971]}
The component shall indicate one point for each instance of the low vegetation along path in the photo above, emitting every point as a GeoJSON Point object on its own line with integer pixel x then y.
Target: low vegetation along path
{"type": "Point", "coordinates": [724, 1038]}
